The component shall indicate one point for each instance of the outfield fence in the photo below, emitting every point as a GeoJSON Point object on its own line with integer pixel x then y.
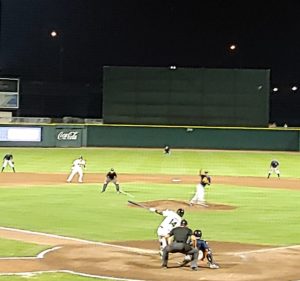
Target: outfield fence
{"type": "Point", "coordinates": [97, 134]}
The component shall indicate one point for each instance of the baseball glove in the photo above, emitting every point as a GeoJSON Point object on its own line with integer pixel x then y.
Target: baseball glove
{"type": "Point", "coordinates": [205, 180]}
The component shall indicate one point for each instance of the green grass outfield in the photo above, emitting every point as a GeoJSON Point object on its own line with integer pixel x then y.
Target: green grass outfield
{"type": "Point", "coordinates": [262, 215]}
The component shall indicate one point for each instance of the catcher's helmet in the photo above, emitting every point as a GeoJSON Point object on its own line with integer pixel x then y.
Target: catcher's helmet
{"type": "Point", "coordinates": [180, 212]}
{"type": "Point", "coordinates": [184, 223]}
{"type": "Point", "coordinates": [198, 233]}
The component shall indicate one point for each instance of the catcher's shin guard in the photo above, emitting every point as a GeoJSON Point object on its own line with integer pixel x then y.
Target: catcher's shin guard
{"type": "Point", "coordinates": [211, 261]}
{"type": "Point", "coordinates": [209, 257]}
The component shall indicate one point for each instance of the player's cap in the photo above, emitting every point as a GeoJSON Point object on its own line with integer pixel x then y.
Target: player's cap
{"type": "Point", "coordinates": [112, 169]}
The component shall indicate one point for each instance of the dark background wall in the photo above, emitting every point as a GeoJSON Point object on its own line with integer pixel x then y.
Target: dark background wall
{"type": "Point", "coordinates": [186, 96]}
{"type": "Point", "coordinates": [54, 99]}
{"type": "Point", "coordinates": [57, 99]}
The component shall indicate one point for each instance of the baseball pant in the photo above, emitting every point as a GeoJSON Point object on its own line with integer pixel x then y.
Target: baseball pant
{"type": "Point", "coordinates": [76, 170]}
{"type": "Point", "coordinates": [199, 195]}
{"type": "Point", "coordinates": [183, 248]}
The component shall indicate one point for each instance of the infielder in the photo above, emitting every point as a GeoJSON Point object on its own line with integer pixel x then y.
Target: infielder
{"type": "Point", "coordinates": [198, 198]}
{"type": "Point", "coordinates": [8, 160]}
{"type": "Point", "coordinates": [274, 168]}
{"type": "Point", "coordinates": [111, 176]}
{"type": "Point", "coordinates": [172, 219]}
{"type": "Point", "coordinates": [77, 168]}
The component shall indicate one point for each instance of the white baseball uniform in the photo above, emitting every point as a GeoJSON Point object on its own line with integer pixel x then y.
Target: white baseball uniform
{"type": "Point", "coordinates": [199, 195]}
{"type": "Point", "coordinates": [77, 168]}
{"type": "Point", "coordinates": [171, 220]}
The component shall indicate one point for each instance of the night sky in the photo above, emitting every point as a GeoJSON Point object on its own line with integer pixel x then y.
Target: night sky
{"type": "Point", "coordinates": [94, 33]}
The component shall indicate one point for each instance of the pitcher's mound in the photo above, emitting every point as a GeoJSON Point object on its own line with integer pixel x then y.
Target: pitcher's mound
{"type": "Point", "coordinates": [175, 204]}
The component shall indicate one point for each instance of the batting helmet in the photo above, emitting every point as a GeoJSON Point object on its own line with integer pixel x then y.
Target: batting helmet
{"type": "Point", "coordinates": [180, 212]}
{"type": "Point", "coordinates": [198, 233]}
{"type": "Point", "coordinates": [184, 223]}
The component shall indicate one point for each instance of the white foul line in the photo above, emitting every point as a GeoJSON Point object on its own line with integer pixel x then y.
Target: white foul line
{"type": "Point", "coordinates": [69, 272]}
{"type": "Point", "coordinates": [132, 249]}
{"type": "Point", "coordinates": [264, 250]}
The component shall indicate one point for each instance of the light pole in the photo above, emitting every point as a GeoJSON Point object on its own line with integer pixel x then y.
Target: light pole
{"type": "Point", "coordinates": [56, 36]}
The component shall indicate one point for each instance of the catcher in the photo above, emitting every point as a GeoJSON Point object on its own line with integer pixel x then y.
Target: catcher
{"type": "Point", "coordinates": [204, 250]}
{"type": "Point", "coordinates": [8, 160]}
{"type": "Point", "coordinates": [198, 198]}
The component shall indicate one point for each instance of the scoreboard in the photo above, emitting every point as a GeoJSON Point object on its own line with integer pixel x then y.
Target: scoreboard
{"type": "Point", "coordinates": [9, 93]}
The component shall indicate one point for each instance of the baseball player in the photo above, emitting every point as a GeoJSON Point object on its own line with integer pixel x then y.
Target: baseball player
{"type": "Point", "coordinates": [204, 250]}
{"type": "Point", "coordinates": [198, 198]}
{"type": "Point", "coordinates": [171, 219]}
{"type": "Point", "coordinates": [167, 150]}
{"type": "Point", "coordinates": [274, 168]}
{"type": "Point", "coordinates": [77, 168]}
{"type": "Point", "coordinates": [180, 244]}
{"type": "Point", "coordinates": [111, 176]}
{"type": "Point", "coordinates": [8, 160]}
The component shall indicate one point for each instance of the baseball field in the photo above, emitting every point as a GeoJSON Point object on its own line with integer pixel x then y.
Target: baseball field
{"type": "Point", "coordinates": [53, 230]}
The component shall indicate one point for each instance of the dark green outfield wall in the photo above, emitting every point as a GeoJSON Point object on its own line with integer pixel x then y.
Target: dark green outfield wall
{"type": "Point", "coordinates": [58, 135]}
{"type": "Point", "coordinates": [206, 138]}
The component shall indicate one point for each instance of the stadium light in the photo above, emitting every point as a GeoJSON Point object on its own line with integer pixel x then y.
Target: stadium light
{"type": "Point", "coordinates": [53, 34]}
{"type": "Point", "coordinates": [294, 88]}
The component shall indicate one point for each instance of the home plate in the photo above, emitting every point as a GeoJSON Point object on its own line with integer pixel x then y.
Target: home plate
{"type": "Point", "coordinates": [176, 180]}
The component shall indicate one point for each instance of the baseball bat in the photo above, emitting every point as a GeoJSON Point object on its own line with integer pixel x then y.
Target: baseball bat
{"type": "Point", "coordinates": [137, 204]}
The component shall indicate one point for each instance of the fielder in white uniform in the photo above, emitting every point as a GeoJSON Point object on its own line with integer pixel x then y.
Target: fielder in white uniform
{"type": "Point", "coordinates": [77, 168]}
{"type": "Point", "coordinates": [172, 219]}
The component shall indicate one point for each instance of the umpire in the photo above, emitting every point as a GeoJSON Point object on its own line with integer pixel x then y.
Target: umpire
{"type": "Point", "coordinates": [181, 237]}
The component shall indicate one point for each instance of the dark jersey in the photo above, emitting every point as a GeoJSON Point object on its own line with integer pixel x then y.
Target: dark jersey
{"type": "Point", "coordinates": [204, 180]}
{"type": "Point", "coordinates": [167, 149]}
{"type": "Point", "coordinates": [111, 175]}
{"type": "Point", "coordinates": [274, 163]}
{"type": "Point", "coordinates": [181, 234]}
{"type": "Point", "coordinates": [201, 245]}
{"type": "Point", "coordinates": [8, 157]}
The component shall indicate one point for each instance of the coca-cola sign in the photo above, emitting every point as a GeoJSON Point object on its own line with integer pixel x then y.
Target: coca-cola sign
{"type": "Point", "coordinates": [73, 135]}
